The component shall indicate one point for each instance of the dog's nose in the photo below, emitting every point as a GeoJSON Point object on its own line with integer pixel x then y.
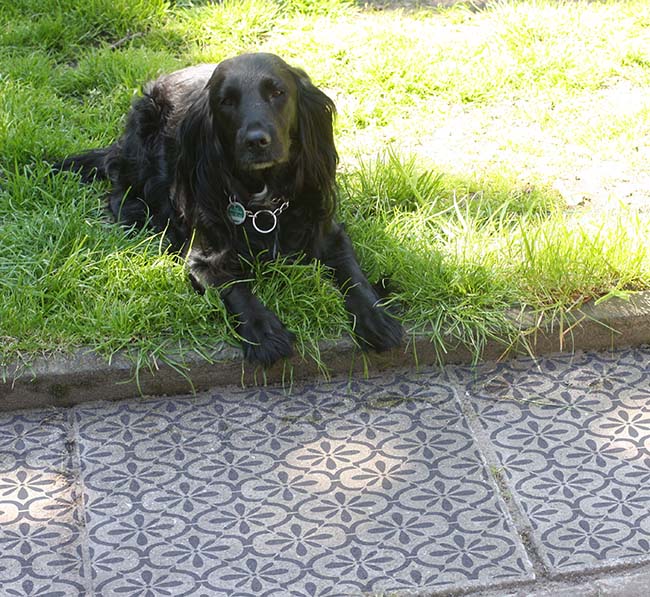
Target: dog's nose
{"type": "Point", "coordinates": [257, 139]}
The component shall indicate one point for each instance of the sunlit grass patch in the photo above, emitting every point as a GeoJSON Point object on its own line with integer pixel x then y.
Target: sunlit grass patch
{"type": "Point", "coordinates": [571, 260]}
{"type": "Point", "coordinates": [454, 128]}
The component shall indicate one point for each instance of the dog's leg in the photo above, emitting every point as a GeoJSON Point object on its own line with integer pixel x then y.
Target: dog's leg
{"type": "Point", "coordinates": [372, 324]}
{"type": "Point", "coordinates": [265, 340]}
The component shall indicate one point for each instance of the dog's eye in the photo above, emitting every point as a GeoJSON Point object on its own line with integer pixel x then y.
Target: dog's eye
{"type": "Point", "coordinates": [227, 101]}
{"type": "Point", "coordinates": [277, 92]}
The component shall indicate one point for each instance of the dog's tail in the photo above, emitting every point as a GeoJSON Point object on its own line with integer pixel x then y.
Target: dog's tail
{"type": "Point", "coordinates": [91, 165]}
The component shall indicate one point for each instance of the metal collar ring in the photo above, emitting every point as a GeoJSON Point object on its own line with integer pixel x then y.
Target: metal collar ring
{"type": "Point", "coordinates": [274, 221]}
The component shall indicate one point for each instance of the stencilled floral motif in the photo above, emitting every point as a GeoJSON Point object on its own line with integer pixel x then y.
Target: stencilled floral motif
{"type": "Point", "coordinates": [311, 407]}
{"type": "Point", "coordinates": [533, 434]}
{"type": "Point", "coordinates": [444, 495]}
{"type": "Point", "coordinates": [620, 502]}
{"type": "Point", "coordinates": [428, 446]}
{"type": "Point", "coordinates": [565, 407]}
{"type": "Point", "coordinates": [463, 554]}
{"type": "Point", "coordinates": [298, 541]}
{"type": "Point", "coordinates": [243, 518]}
{"type": "Point", "coordinates": [578, 463]}
{"type": "Point", "coordinates": [258, 575]}
{"type": "Point", "coordinates": [596, 452]}
{"type": "Point", "coordinates": [129, 426]}
{"type": "Point", "coordinates": [624, 423]}
{"type": "Point", "coordinates": [603, 373]}
{"type": "Point", "coordinates": [274, 437]}
{"type": "Point", "coordinates": [175, 446]}
{"type": "Point", "coordinates": [187, 497]}
{"type": "Point", "coordinates": [132, 476]}
{"type": "Point", "coordinates": [26, 485]}
{"type": "Point", "coordinates": [383, 474]}
{"type": "Point", "coordinates": [27, 539]}
{"type": "Point", "coordinates": [219, 419]}
{"type": "Point", "coordinates": [195, 550]}
{"type": "Point", "coordinates": [346, 507]}
{"type": "Point", "coordinates": [371, 427]}
{"type": "Point", "coordinates": [329, 455]}
{"type": "Point", "coordinates": [509, 384]}
{"type": "Point", "coordinates": [560, 484]}
{"type": "Point", "coordinates": [592, 539]}
{"type": "Point", "coordinates": [403, 530]}
{"type": "Point", "coordinates": [138, 529]}
{"type": "Point", "coordinates": [364, 565]}
{"type": "Point", "coordinates": [230, 465]}
{"type": "Point", "coordinates": [286, 485]}
{"type": "Point", "coordinates": [22, 434]}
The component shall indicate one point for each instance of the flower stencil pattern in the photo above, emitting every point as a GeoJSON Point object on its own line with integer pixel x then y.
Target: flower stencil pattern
{"type": "Point", "coordinates": [578, 457]}
{"type": "Point", "coordinates": [334, 489]}
{"type": "Point", "coordinates": [40, 539]}
{"type": "Point", "coordinates": [337, 489]}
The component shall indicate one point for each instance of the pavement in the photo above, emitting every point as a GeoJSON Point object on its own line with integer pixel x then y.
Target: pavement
{"type": "Point", "coordinates": [525, 477]}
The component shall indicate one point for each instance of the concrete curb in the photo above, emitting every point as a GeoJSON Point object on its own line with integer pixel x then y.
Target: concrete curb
{"type": "Point", "coordinates": [85, 376]}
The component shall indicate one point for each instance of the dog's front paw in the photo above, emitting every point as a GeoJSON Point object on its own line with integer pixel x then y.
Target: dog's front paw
{"type": "Point", "coordinates": [377, 329]}
{"type": "Point", "coordinates": [265, 339]}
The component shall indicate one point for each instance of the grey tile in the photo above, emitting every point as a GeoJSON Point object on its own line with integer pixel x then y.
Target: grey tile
{"type": "Point", "coordinates": [574, 445]}
{"type": "Point", "coordinates": [631, 585]}
{"type": "Point", "coordinates": [40, 544]}
{"type": "Point", "coordinates": [332, 489]}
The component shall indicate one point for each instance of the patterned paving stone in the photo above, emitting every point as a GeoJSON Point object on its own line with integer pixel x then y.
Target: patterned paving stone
{"type": "Point", "coordinates": [573, 439]}
{"type": "Point", "coordinates": [337, 489]}
{"type": "Point", "coordinates": [40, 546]}
{"type": "Point", "coordinates": [375, 486]}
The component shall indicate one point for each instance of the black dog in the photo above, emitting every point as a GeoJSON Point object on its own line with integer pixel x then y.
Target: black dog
{"type": "Point", "coordinates": [237, 161]}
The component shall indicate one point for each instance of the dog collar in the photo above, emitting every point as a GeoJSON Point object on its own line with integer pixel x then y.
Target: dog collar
{"type": "Point", "coordinates": [264, 220]}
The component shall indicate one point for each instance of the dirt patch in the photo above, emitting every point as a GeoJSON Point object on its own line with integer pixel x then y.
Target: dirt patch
{"type": "Point", "coordinates": [589, 168]}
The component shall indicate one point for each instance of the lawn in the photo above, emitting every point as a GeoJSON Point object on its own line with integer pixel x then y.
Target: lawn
{"type": "Point", "coordinates": [490, 159]}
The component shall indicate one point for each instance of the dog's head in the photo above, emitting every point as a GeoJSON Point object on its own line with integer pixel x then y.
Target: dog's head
{"type": "Point", "coordinates": [258, 113]}
{"type": "Point", "coordinates": [254, 102]}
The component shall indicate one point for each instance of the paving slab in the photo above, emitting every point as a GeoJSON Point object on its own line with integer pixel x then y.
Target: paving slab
{"type": "Point", "coordinates": [40, 522]}
{"type": "Point", "coordinates": [525, 478]}
{"type": "Point", "coordinates": [572, 439]}
{"type": "Point", "coordinates": [340, 488]}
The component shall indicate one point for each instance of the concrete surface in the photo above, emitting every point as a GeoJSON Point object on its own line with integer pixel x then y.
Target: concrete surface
{"type": "Point", "coordinates": [520, 478]}
{"type": "Point", "coordinates": [66, 380]}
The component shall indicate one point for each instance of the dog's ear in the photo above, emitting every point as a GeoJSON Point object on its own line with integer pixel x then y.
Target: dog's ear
{"type": "Point", "coordinates": [317, 158]}
{"type": "Point", "coordinates": [201, 171]}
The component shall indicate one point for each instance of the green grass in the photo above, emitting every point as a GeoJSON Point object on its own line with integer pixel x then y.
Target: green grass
{"type": "Point", "coordinates": [455, 129]}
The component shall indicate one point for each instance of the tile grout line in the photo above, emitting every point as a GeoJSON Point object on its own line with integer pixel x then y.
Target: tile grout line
{"type": "Point", "coordinates": [79, 497]}
{"type": "Point", "coordinates": [518, 518]}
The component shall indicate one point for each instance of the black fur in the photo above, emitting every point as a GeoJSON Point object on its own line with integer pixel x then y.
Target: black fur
{"type": "Point", "coordinates": [201, 135]}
